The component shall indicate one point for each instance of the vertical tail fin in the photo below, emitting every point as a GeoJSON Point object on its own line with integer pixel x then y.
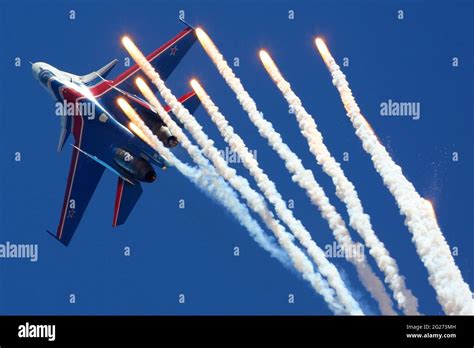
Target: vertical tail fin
{"type": "Point", "coordinates": [126, 197]}
{"type": "Point", "coordinates": [96, 76]}
{"type": "Point", "coordinates": [65, 131]}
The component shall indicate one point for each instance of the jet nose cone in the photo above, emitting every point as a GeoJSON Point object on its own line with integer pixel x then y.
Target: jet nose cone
{"type": "Point", "coordinates": [35, 69]}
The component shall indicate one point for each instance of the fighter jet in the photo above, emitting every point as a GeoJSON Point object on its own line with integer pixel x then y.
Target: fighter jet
{"type": "Point", "coordinates": [103, 138]}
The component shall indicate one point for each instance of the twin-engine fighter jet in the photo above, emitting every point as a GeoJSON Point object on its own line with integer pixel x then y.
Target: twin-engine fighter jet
{"type": "Point", "coordinates": [103, 138]}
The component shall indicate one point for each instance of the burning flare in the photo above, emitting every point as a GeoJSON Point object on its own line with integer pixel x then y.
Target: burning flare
{"type": "Point", "coordinates": [292, 163]}
{"type": "Point", "coordinates": [254, 200]}
{"type": "Point", "coordinates": [347, 193]}
{"type": "Point", "coordinates": [267, 186]}
{"type": "Point", "coordinates": [208, 181]}
{"type": "Point", "coordinates": [453, 293]}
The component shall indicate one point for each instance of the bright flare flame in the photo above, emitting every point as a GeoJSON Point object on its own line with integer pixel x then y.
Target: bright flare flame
{"type": "Point", "coordinates": [268, 188]}
{"type": "Point", "coordinates": [327, 57]}
{"type": "Point", "coordinates": [206, 177]}
{"type": "Point", "coordinates": [265, 128]}
{"type": "Point", "coordinates": [205, 40]}
{"type": "Point", "coordinates": [134, 118]}
{"type": "Point", "coordinates": [453, 293]}
{"type": "Point", "coordinates": [267, 61]}
{"type": "Point", "coordinates": [144, 89]}
{"type": "Point", "coordinates": [132, 49]}
{"type": "Point", "coordinates": [126, 108]}
{"type": "Point", "coordinates": [197, 88]}
{"type": "Point", "coordinates": [323, 49]}
{"type": "Point", "coordinates": [135, 129]}
{"type": "Point", "coordinates": [345, 191]}
{"type": "Point", "coordinates": [128, 44]}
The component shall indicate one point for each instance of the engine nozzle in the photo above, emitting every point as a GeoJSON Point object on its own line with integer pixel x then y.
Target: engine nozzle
{"type": "Point", "coordinates": [139, 168]}
{"type": "Point", "coordinates": [163, 133]}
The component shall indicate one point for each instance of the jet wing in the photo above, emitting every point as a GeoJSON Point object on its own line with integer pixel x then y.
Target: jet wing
{"type": "Point", "coordinates": [84, 175]}
{"type": "Point", "coordinates": [85, 171]}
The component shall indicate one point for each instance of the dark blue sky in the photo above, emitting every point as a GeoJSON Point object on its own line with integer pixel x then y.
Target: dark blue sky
{"type": "Point", "coordinates": [190, 250]}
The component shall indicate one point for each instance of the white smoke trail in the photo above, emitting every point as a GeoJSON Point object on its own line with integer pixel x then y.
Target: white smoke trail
{"type": "Point", "coordinates": [346, 192]}
{"type": "Point", "coordinates": [254, 200]}
{"type": "Point", "coordinates": [453, 293]}
{"type": "Point", "coordinates": [206, 179]}
{"type": "Point", "coordinates": [293, 164]}
{"type": "Point", "coordinates": [364, 271]}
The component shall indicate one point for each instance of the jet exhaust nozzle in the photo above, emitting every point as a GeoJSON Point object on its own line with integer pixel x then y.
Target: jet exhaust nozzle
{"type": "Point", "coordinates": [140, 169]}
